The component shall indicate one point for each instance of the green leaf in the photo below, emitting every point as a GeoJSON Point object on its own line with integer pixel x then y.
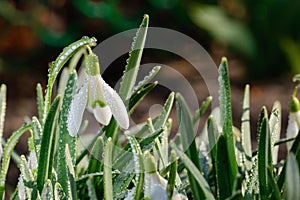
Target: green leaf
{"type": "Point", "coordinates": [64, 136]}
{"type": "Point", "coordinates": [47, 193]}
{"type": "Point", "coordinates": [213, 134]}
{"type": "Point", "coordinates": [292, 180]}
{"type": "Point", "coordinates": [71, 174]}
{"type": "Point", "coordinates": [160, 121]}
{"type": "Point", "coordinates": [108, 189]}
{"type": "Point", "coordinates": [133, 62]}
{"type": "Point", "coordinates": [139, 95]}
{"type": "Point", "coordinates": [138, 165]}
{"type": "Point", "coordinates": [275, 129]}
{"type": "Point", "coordinates": [194, 171]}
{"type": "Point", "coordinates": [273, 184]}
{"type": "Point", "coordinates": [91, 189]}
{"type": "Point", "coordinates": [40, 101]}
{"type": "Point", "coordinates": [172, 175]}
{"type": "Point", "coordinates": [10, 145]}
{"type": "Point", "coordinates": [264, 153]}
{"type": "Point", "coordinates": [226, 118]}
{"type": "Point", "coordinates": [146, 79]}
{"type": "Point", "coordinates": [59, 192]}
{"type": "Point", "coordinates": [2, 111]}
{"type": "Point", "coordinates": [28, 178]}
{"type": "Point", "coordinates": [96, 156]}
{"type": "Point", "coordinates": [186, 130]}
{"type": "Point", "coordinates": [45, 161]}
{"type": "Point", "coordinates": [245, 130]}
{"type": "Point", "coordinates": [199, 113]}
{"type": "Point", "coordinates": [223, 169]}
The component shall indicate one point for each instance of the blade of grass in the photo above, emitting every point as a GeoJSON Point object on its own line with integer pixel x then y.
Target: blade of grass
{"type": "Point", "coordinates": [45, 159]}
{"type": "Point", "coordinates": [172, 175]}
{"type": "Point", "coordinates": [275, 129]}
{"type": "Point", "coordinates": [146, 79]}
{"type": "Point", "coordinates": [264, 152]}
{"type": "Point", "coordinates": [96, 156]}
{"type": "Point", "coordinates": [64, 136]}
{"type": "Point", "coordinates": [133, 62]}
{"type": "Point", "coordinates": [37, 135]}
{"type": "Point", "coordinates": [194, 171]}
{"type": "Point", "coordinates": [47, 193]}
{"type": "Point", "coordinates": [138, 165]}
{"type": "Point", "coordinates": [245, 130]}
{"type": "Point", "coordinates": [10, 145]}
{"type": "Point", "coordinates": [138, 96]}
{"type": "Point", "coordinates": [108, 186]}
{"type": "Point", "coordinates": [226, 118]}
{"type": "Point", "coordinates": [58, 192]}
{"type": "Point", "coordinates": [40, 101]}
{"type": "Point", "coordinates": [2, 113]}
{"type": "Point", "coordinates": [186, 130]}
{"type": "Point", "coordinates": [222, 169]}
{"type": "Point", "coordinates": [199, 113]}
{"type": "Point", "coordinates": [71, 193]}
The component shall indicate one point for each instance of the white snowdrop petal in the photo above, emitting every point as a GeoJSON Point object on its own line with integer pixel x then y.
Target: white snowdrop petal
{"type": "Point", "coordinates": [115, 103]}
{"type": "Point", "coordinates": [102, 115]}
{"type": "Point", "coordinates": [76, 110]}
{"type": "Point", "coordinates": [82, 77]}
{"type": "Point", "coordinates": [292, 129]}
{"type": "Point", "coordinates": [95, 92]}
{"type": "Point", "coordinates": [155, 186]}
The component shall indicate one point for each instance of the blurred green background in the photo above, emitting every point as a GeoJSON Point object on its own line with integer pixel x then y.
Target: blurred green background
{"type": "Point", "coordinates": [263, 34]}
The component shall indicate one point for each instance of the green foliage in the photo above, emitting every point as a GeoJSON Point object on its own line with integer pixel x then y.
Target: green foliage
{"type": "Point", "coordinates": [150, 161]}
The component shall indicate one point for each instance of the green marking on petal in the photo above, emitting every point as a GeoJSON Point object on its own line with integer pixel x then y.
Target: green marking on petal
{"type": "Point", "coordinates": [100, 103]}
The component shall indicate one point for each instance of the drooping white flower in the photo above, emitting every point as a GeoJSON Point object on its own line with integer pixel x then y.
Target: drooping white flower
{"type": "Point", "coordinates": [155, 186]}
{"type": "Point", "coordinates": [97, 96]}
{"type": "Point", "coordinates": [294, 121]}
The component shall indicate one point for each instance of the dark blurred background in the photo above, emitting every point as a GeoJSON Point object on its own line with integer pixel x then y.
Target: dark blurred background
{"type": "Point", "coordinates": [260, 38]}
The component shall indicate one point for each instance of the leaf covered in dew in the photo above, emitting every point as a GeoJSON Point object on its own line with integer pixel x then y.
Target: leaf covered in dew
{"type": "Point", "coordinates": [133, 62]}
{"type": "Point", "coordinates": [245, 130]}
{"type": "Point", "coordinates": [275, 129]}
{"type": "Point", "coordinates": [226, 117]}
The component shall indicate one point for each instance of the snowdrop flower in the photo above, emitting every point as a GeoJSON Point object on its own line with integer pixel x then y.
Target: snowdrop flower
{"type": "Point", "coordinates": [154, 184]}
{"type": "Point", "coordinates": [294, 120]}
{"type": "Point", "coordinates": [97, 96]}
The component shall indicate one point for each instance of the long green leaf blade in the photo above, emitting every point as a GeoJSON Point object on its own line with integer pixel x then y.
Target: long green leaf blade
{"type": "Point", "coordinates": [226, 117]}
{"type": "Point", "coordinates": [133, 62]}
{"type": "Point", "coordinates": [190, 166]}
{"type": "Point", "coordinates": [10, 145]}
{"type": "Point", "coordinates": [188, 142]}
{"type": "Point", "coordinates": [64, 136]}
{"type": "Point", "coordinates": [2, 113]}
{"type": "Point", "coordinates": [108, 186]}
{"type": "Point", "coordinates": [263, 153]}
{"type": "Point", "coordinates": [223, 169]}
{"type": "Point", "coordinates": [46, 146]}
{"type": "Point", "coordinates": [245, 130]}
{"type": "Point", "coordinates": [275, 129]}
